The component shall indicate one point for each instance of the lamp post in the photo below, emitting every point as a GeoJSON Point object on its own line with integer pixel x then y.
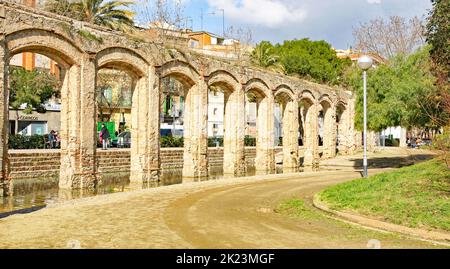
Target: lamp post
{"type": "Point", "coordinates": [365, 63]}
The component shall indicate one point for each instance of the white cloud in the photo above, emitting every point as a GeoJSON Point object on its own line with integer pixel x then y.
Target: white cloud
{"type": "Point", "coordinates": [374, 1]}
{"type": "Point", "coordinates": [266, 13]}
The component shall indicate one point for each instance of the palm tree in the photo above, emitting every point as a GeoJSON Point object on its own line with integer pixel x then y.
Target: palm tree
{"type": "Point", "coordinates": [100, 12]}
{"type": "Point", "coordinates": [264, 56]}
{"type": "Point", "coordinates": [108, 13]}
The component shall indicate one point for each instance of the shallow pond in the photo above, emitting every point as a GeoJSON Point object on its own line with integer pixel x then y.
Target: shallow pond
{"type": "Point", "coordinates": [30, 195]}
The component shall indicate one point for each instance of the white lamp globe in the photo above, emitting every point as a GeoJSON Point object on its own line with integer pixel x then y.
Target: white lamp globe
{"type": "Point", "coordinates": [365, 62]}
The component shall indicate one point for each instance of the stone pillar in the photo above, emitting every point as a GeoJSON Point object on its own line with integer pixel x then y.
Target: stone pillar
{"type": "Point", "coordinates": [312, 135]}
{"type": "Point", "coordinates": [329, 134]}
{"type": "Point", "coordinates": [403, 137]}
{"type": "Point", "coordinates": [265, 137]}
{"type": "Point", "coordinates": [195, 164]}
{"type": "Point", "coordinates": [5, 182]}
{"type": "Point", "coordinates": [145, 145]}
{"type": "Point", "coordinates": [153, 130]}
{"type": "Point", "coordinates": [290, 135]}
{"type": "Point", "coordinates": [78, 127]}
{"type": "Point", "coordinates": [234, 133]}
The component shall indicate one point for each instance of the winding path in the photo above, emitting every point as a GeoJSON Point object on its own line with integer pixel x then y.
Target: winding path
{"type": "Point", "coordinates": [229, 213]}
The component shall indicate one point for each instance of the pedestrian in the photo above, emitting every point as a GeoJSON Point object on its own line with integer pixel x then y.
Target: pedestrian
{"type": "Point", "coordinates": [104, 137]}
{"type": "Point", "coordinates": [51, 139]}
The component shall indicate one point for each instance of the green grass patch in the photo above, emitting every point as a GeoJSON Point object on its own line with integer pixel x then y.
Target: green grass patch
{"type": "Point", "coordinates": [417, 196]}
{"type": "Point", "coordinates": [296, 208]}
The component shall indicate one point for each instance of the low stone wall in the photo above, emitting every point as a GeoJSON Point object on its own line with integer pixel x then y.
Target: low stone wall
{"type": "Point", "coordinates": [46, 163]}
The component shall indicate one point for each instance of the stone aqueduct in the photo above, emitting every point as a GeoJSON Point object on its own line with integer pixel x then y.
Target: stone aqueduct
{"type": "Point", "coordinates": [82, 49]}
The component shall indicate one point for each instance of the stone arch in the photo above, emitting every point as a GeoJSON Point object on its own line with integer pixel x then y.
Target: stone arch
{"type": "Point", "coordinates": [78, 137]}
{"type": "Point", "coordinates": [47, 43]}
{"type": "Point", "coordinates": [224, 79]}
{"type": "Point", "coordinates": [265, 129]}
{"type": "Point", "coordinates": [233, 121]}
{"type": "Point", "coordinates": [284, 93]}
{"type": "Point", "coordinates": [182, 71]}
{"type": "Point", "coordinates": [259, 87]}
{"type": "Point", "coordinates": [123, 59]}
{"type": "Point", "coordinates": [307, 96]}
{"type": "Point", "coordinates": [343, 126]}
{"type": "Point", "coordinates": [329, 126]}
{"type": "Point", "coordinates": [290, 126]}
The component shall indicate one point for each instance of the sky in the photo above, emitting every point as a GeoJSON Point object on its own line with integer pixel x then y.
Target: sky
{"type": "Point", "coordinates": [279, 20]}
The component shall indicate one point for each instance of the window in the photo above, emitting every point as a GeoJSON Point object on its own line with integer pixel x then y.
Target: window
{"type": "Point", "coordinates": [215, 111]}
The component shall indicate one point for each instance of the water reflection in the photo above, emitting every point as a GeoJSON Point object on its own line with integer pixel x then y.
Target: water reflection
{"type": "Point", "coordinates": [30, 195]}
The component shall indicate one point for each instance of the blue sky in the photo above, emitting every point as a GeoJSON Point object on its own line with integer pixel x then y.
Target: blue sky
{"type": "Point", "coordinates": [278, 20]}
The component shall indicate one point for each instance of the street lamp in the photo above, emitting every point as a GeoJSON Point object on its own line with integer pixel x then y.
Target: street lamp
{"type": "Point", "coordinates": [365, 63]}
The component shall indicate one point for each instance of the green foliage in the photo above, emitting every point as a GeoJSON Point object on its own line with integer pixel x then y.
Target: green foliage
{"type": "Point", "coordinates": [400, 93]}
{"type": "Point", "coordinates": [65, 8]}
{"type": "Point", "coordinates": [314, 60]}
{"type": "Point", "coordinates": [100, 12]}
{"type": "Point", "coordinates": [250, 141]}
{"type": "Point", "coordinates": [212, 141]}
{"type": "Point", "coordinates": [438, 32]}
{"type": "Point", "coordinates": [297, 208]}
{"type": "Point", "coordinates": [264, 55]}
{"type": "Point", "coordinates": [90, 36]}
{"type": "Point", "coordinates": [172, 142]}
{"type": "Point", "coordinates": [415, 196]}
{"type": "Point", "coordinates": [32, 88]}
{"type": "Point", "coordinates": [26, 142]}
{"type": "Point", "coordinates": [442, 143]}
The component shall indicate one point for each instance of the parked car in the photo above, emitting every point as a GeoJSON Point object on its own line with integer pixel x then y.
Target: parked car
{"type": "Point", "coordinates": [123, 140]}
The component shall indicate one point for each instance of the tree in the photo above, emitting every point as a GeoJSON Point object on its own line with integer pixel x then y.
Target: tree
{"type": "Point", "coordinates": [66, 8]}
{"type": "Point", "coordinates": [437, 33]}
{"type": "Point", "coordinates": [389, 38]}
{"type": "Point", "coordinates": [263, 55]}
{"type": "Point", "coordinates": [32, 88]}
{"type": "Point", "coordinates": [400, 93]}
{"type": "Point", "coordinates": [315, 60]}
{"type": "Point", "coordinates": [100, 12]}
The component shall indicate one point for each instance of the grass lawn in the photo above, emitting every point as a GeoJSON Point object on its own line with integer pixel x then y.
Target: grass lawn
{"type": "Point", "coordinates": [417, 196]}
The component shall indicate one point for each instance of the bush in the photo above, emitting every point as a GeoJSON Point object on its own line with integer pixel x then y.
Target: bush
{"type": "Point", "coordinates": [212, 141]}
{"type": "Point", "coordinates": [172, 142]}
{"type": "Point", "coordinates": [26, 142]}
{"type": "Point", "coordinates": [250, 141]}
{"type": "Point", "coordinates": [391, 142]}
{"type": "Point", "coordinates": [442, 143]}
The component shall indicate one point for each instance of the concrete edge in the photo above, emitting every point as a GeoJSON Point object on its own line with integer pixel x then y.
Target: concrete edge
{"type": "Point", "coordinates": [415, 233]}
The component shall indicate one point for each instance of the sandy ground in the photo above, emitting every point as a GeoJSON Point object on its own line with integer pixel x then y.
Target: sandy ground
{"type": "Point", "coordinates": [229, 213]}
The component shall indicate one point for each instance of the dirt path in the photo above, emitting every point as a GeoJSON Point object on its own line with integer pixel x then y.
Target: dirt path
{"type": "Point", "coordinates": [232, 213]}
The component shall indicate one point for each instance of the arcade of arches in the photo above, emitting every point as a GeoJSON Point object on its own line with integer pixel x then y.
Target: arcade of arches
{"type": "Point", "coordinates": [24, 29]}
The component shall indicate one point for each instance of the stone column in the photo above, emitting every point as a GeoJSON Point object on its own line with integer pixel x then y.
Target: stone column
{"type": "Point", "coordinates": [403, 137]}
{"type": "Point", "coordinates": [265, 137]}
{"type": "Point", "coordinates": [5, 182]}
{"type": "Point", "coordinates": [290, 135]}
{"type": "Point", "coordinates": [195, 164]}
{"type": "Point", "coordinates": [329, 134]}
{"type": "Point", "coordinates": [347, 136]}
{"type": "Point", "coordinates": [78, 127]}
{"type": "Point", "coordinates": [312, 133]}
{"type": "Point", "coordinates": [153, 131]}
{"type": "Point", "coordinates": [234, 133]}
{"type": "Point", "coordinates": [145, 145]}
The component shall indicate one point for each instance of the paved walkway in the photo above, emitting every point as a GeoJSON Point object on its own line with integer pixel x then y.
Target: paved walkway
{"type": "Point", "coordinates": [231, 213]}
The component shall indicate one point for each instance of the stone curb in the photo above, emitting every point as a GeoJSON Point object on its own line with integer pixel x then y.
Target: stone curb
{"type": "Point", "coordinates": [424, 235]}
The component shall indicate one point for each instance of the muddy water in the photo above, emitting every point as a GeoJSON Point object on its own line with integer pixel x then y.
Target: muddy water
{"type": "Point", "coordinates": [30, 195]}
